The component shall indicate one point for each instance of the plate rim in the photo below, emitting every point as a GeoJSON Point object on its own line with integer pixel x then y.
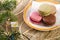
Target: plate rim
{"type": "Point", "coordinates": [29, 24]}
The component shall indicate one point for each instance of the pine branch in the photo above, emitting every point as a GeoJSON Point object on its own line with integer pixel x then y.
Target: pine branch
{"type": "Point", "coordinates": [4, 16]}
{"type": "Point", "coordinates": [5, 13]}
{"type": "Point", "coordinates": [8, 5]}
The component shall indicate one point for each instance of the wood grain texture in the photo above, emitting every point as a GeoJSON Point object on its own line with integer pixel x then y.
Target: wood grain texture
{"type": "Point", "coordinates": [38, 35]}
{"type": "Point", "coordinates": [32, 34]}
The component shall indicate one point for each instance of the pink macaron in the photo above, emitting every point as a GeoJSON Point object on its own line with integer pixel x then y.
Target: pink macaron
{"type": "Point", "coordinates": [36, 17]}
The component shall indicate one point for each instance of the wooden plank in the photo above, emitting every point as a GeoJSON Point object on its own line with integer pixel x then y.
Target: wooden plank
{"type": "Point", "coordinates": [34, 34]}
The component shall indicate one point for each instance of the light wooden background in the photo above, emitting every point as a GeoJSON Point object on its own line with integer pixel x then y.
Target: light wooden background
{"type": "Point", "coordinates": [29, 33]}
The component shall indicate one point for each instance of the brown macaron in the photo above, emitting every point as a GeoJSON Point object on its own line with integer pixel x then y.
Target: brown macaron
{"type": "Point", "coordinates": [49, 20]}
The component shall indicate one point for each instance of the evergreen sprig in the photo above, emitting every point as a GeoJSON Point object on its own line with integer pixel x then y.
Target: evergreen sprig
{"type": "Point", "coordinates": [12, 36]}
{"type": "Point", "coordinates": [8, 5]}
{"type": "Point", "coordinates": [6, 8]}
{"type": "Point", "coordinates": [4, 16]}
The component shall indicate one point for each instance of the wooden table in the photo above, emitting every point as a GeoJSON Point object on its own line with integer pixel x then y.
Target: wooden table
{"type": "Point", "coordinates": [31, 34]}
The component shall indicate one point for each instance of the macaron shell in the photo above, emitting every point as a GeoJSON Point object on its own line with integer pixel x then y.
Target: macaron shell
{"type": "Point", "coordinates": [49, 20]}
{"type": "Point", "coordinates": [47, 9]}
{"type": "Point", "coordinates": [35, 17]}
{"type": "Point", "coordinates": [34, 21]}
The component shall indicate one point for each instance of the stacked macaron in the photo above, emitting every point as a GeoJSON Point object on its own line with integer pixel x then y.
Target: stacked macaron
{"type": "Point", "coordinates": [46, 14]}
{"type": "Point", "coordinates": [35, 17]}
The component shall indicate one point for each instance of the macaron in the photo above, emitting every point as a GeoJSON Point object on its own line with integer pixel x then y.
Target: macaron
{"type": "Point", "coordinates": [34, 16]}
{"type": "Point", "coordinates": [34, 22]}
{"type": "Point", "coordinates": [47, 9]}
{"type": "Point", "coordinates": [49, 20]}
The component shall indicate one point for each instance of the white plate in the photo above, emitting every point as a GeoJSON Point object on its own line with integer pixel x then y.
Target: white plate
{"type": "Point", "coordinates": [35, 6]}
